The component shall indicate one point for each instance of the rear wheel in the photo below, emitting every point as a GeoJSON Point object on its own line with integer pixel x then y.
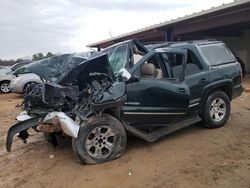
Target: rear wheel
{"type": "Point", "coordinates": [217, 110]}
{"type": "Point", "coordinates": [5, 87]}
{"type": "Point", "coordinates": [100, 140]}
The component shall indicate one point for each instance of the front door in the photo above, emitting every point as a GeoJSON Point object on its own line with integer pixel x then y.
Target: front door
{"type": "Point", "coordinates": [153, 96]}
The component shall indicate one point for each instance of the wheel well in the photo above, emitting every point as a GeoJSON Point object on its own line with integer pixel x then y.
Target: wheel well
{"type": "Point", "coordinates": [226, 89]}
{"type": "Point", "coordinates": [5, 81]}
{"type": "Point", "coordinates": [28, 83]}
{"type": "Point", "coordinates": [113, 112]}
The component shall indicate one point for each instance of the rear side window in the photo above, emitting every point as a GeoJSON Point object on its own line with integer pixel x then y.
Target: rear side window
{"type": "Point", "coordinates": [217, 54]}
{"type": "Point", "coordinates": [193, 65]}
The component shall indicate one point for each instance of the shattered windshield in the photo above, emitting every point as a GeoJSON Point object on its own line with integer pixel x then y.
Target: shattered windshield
{"type": "Point", "coordinates": [118, 57]}
{"type": "Point", "coordinates": [54, 68]}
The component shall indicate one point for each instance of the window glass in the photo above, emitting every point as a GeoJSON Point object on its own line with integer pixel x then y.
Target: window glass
{"type": "Point", "coordinates": [217, 54]}
{"type": "Point", "coordinates": [24, 71]}
{"type": "Point", "coordinates": [173, 63]}
{"type": "Point", "coordinates": [193, 64]}
{"type": "Point", "coordinates": [118, 57]}
{"type": "Point", "coordinates": [137, 54]}
{"type": "Point", "coordinates": [149, 69]}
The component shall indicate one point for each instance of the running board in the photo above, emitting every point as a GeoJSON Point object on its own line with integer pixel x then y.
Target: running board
{"type": "Point", "coordinates": [151, 137]}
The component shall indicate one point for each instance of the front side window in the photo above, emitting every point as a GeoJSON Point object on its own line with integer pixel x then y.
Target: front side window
{"type": "Point", "coordinates": [217, 54]}
{"type": "Point", "coordinates": [173, 63]}
{"type": "Point", "coordinates": [149, 69]}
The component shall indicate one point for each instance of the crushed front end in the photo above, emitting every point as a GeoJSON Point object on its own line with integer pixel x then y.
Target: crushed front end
{"type": "Point", "coordinates": [90, 88]}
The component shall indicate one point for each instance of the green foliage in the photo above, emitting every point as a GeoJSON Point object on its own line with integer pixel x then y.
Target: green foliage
{"type": "Point", "coordinates": [35, 57]}
{"type": "Point", "coordinates": [49, 54]}
{"type": "Point", "coordinates": [40, 56]}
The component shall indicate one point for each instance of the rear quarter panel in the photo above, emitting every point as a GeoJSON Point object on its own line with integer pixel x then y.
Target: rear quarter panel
{"type": "Point", "coordinates": [224, 76]}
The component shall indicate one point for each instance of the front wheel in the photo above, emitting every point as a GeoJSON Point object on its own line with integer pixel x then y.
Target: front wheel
{"type": "Point", "coordinates": [217, 110]}
{"type": "Point", "coordinates": [5, 87]}
{"type": "Point", "coordinates": [100, 140]}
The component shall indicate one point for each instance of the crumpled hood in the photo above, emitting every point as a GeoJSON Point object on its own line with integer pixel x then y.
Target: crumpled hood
{"type": "Point", "coordinates": [66, 69]}
{"type": "Point", "coordinates": [97, 64]}
{"type": "Point", "coordinates": [55, 68]}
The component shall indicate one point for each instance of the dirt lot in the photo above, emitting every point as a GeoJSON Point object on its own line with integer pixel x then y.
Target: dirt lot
{"type": "Point", "coordinates": [193, 157]}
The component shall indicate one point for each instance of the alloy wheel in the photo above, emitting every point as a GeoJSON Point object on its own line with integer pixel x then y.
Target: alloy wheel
{"type": "Point", "coordinates": [100, 142]}
{"type": "Point", "coordinates": [5, 87]}
{"type": "Point", "coordinates": [217, 109]}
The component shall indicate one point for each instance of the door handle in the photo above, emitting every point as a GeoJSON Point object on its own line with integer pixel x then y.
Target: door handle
{"type": "Point", "coordinates": [202, 80]}
{"type": "Point", "coordinates": [182, 90]}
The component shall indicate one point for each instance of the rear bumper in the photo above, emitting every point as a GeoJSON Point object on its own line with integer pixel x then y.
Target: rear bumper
{"type": "Point", "coordinates": [237, 91]}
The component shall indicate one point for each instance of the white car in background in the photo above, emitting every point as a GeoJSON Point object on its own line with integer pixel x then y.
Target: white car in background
{"type": "Point", "coordinates": [6, 75]}
{"type": "Point", "coordinates": [23, 80]}
{"type": "Point", "coordinates": [5, 80]}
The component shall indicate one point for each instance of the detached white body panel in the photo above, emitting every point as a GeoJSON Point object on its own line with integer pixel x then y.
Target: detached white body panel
{"type": "Point", "coordinates": [68, 125]}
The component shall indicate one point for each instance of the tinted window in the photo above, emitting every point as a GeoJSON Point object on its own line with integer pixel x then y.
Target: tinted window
{"type": "Point", "coordinates": [217, 54]}
{"type": "Point", "coordinates": [193, 64]}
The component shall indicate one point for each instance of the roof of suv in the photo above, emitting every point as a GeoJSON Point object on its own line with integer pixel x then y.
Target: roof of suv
{"type": "Point", "coordinates": [152, 46]}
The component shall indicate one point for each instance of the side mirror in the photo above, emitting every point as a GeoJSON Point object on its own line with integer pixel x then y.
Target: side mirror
{"type": "Point", "coordinates": [124, 75]}
{"type": "Point", "coordinates": [15, 74]}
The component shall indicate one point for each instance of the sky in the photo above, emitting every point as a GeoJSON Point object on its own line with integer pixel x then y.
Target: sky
{"type": "Point", "coordinates": [65, 26]}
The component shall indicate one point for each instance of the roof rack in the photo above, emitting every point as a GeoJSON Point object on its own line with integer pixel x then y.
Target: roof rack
{"type": "Point", "coordinates": [154, 45]}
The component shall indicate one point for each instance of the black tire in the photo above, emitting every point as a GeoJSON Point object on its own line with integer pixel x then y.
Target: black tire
{"type": "Point", "coordinates": [91, 140]}
{"type": "Point", "coordinates": [5, 86]}
{"type": "Point", "coordinates": [27, 86]}
{"type": "Point", "coordinates": [217, 103]}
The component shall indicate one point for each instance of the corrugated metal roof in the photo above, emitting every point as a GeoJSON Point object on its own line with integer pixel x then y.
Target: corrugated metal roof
{"type": "Point", "coordinates": [179, 19]}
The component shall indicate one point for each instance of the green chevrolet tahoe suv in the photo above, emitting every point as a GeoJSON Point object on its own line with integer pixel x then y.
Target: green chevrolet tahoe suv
{"type": "Point", "coordinates": [145, 90]}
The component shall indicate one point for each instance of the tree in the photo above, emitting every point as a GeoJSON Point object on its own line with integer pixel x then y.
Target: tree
{"type": "Point", "coordinates": [40, 56]}
{"type": "Point", "coordinates": [35, 57]}
{"type": "Point", "coordinates": [19, 60]}
{"type": "Point", "coordinates": [49, 54]}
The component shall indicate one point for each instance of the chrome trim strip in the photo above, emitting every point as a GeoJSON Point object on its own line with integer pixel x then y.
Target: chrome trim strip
{"type": "Point", "coordinates": [132, 103]}
{"type": "Point", "coordinates": [192, 105]}
{"type": "Point", "coordinates": [154, 113]}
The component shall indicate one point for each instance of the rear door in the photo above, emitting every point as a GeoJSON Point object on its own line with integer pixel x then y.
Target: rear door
{"type": "Point", "coordinates": [159, 99]}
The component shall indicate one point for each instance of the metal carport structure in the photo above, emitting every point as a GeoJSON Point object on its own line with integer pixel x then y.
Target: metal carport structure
{"type": "Point", "coordinates": [228, 22]}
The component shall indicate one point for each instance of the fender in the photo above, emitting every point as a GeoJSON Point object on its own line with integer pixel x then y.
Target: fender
{"type": "Point", "coordinates": [226, 83]}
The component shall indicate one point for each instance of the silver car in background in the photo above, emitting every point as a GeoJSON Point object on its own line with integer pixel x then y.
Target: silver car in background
{"type": "Point", "coordinates": [6, 75]}
{"type": "Point", "coordinates": [23, 80]}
